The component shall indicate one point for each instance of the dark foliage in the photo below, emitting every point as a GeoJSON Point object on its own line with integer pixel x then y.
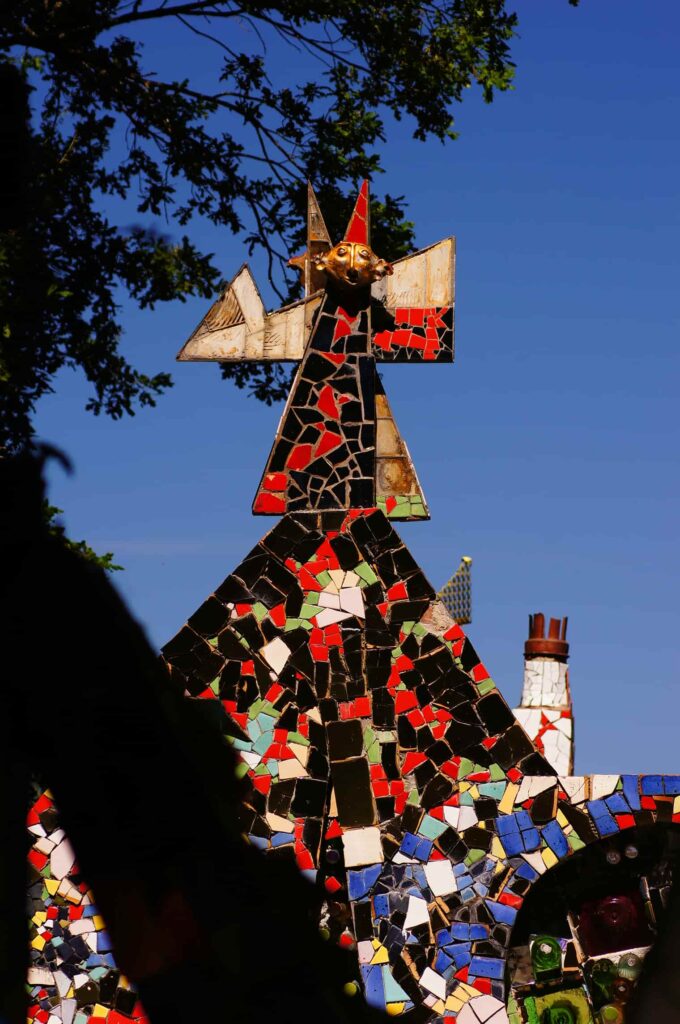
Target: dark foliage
{"type": "Point", "coordinates": [104, 124]}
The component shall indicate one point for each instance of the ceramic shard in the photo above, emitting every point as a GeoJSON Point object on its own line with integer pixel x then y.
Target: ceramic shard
{"type": "Point", "coordinates": [397, 489]}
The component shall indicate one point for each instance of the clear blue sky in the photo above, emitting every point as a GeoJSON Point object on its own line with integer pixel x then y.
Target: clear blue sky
{"type": "Point", "coordinates": [548, 452]}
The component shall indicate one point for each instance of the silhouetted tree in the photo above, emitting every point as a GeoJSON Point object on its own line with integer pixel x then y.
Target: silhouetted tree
{"type": "Point", "coordinates": [105, 124]}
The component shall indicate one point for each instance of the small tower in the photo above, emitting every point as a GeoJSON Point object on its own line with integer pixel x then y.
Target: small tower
{"type": "Point", "coordinates": [545, 709]}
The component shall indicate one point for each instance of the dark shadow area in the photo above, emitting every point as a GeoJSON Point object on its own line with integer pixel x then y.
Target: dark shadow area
{"type": "Point", "coordinates": [146, 791]}
{"type": "Point", "coordinates": [581, 940]}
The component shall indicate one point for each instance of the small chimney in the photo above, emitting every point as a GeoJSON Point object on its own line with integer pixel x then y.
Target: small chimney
{"type": "Point", "coordinates": [554, 645]}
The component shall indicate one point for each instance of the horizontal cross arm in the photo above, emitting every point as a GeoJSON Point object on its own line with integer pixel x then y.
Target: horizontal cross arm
{"type": "Point", "coordinates": [411, 317]}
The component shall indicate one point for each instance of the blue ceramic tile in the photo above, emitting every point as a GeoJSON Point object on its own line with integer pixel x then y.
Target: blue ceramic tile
{"type": "Point", "coordinates": [617, 804]}
{"type": "Point", "coordinates": [555, 838]}
{"type": "Point", "coordinates": [408, 844]}
{"type": "Point", "coordinates": [282, 838]}
{"type": "Point", "coordinates": [486, 967]}
{"type": "Point", "coordinates": [526, 871]}
{"type": "Point", "coordinates": [502, 913]}
{"type": "Point", "coordinates": [630, 789]}
{"type": "Point", "coordinates": [532, 839]}
{"type": "Point", "coordinates": [512, 843]}
{"type": "Point", "coordinates": [423, 849]}
{"type": "Point", "coordinates": [381, 905]}
{"type": "Point", "coordinates": [373, 986]}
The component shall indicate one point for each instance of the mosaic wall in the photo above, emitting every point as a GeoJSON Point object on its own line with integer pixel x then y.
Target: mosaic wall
{"type": "Point", "coordinates": [473, 883]}
{"type": "Point", "coordinates": [73, 976]}
{"type": "Point", "coordinates": [382, 754]}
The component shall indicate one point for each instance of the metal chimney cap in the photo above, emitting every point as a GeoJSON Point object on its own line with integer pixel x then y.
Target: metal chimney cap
{"type": "Point", "coordinates": [554, 645]}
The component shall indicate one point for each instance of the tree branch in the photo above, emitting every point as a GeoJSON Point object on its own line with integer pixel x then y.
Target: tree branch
{"type": "Point", "coordinates": [194, 8]}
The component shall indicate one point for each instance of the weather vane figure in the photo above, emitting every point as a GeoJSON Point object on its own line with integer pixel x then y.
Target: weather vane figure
{"type": "Point", "coordinates": [337, 446]}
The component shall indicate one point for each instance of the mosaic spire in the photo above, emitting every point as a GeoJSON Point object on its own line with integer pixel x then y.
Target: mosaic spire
{"type": "Point", "coordinates": [456, 594]}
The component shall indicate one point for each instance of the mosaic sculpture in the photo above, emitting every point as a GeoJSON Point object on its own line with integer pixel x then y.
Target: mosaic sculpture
{"type": "Point", "coordinates": [475, 883]}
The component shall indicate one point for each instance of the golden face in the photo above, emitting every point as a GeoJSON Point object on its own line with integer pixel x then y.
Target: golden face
{"type": "Point", "coordinates": [353, 265]}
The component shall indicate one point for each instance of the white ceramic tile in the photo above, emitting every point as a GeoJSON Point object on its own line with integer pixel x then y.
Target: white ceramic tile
{"type": "Point", "coordinates": [574, 786]}
{"type": "Point", "coordinates": [433, 982]}
{"type": "Point", "coordinates": [62, 859]}
{"type": "Point", "coordinates": [82, 927]}
{"type": "Point", "coordinates": [416, 913]}
{"type": "Point", "coordinates": [362, 846]}
{"type": "Point", "coordinates": [532, 785]}
{"type": "Point", "coordinates": [487, 1008]}
{"type": "Point", "coordinates": [352, 601]}
{"type": "Point", "coordinates": [279, 824]}
{"type": "Point", "coordinates": [40, 976]}
{"type": "Point", "coordinates": [529, 719]}
{"type": "Point", "coordinates": [467, 818]}
{"type": "Point", "coordinates": [440, 877]}
{"type": "Point", "coordinates": [62, 983]}
{"type": "Point", "coordinates": [68, 1010]}
{"type": "Point", "coordinates": [276, 653]}
{"type": "Point", "coordinates": [602, 785]}
{"type": "Point", "coordinates": [365, 951]}
{"type": "Point", "coordinates": [451, 815]}
{"type": "Point", "coordinates": [329, 615]}
{"type": "Point", "coordinates": [291, 769]}
{"type": "Point", "coordinates": [300, 751]}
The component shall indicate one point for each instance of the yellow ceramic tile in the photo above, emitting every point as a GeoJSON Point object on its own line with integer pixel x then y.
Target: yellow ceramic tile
{"type": "Point", "coordinates": [51, 884]}
{"type": "Point", "coordinates": [38, 943]}
{"type": "Point", "coordinates": [549, 858]}
{"type": "Point", "coordinates": [507, 801]}
{"type": "Point", "coordinates": [498, 852]}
